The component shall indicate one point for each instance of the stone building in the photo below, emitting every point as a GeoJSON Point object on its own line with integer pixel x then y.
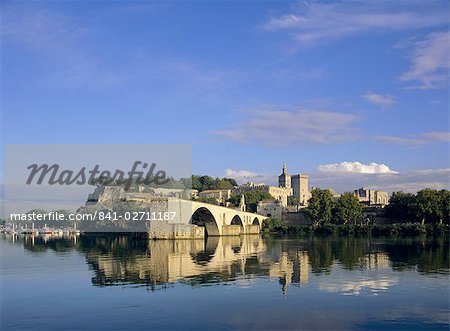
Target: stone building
{"type": "Point", "coordinates": [270, 208]}
{"type": "Point", "coordinates": [221, 196]}
{"type": "Point", "coordinates": [279, 193]}
{"type": "Point", "coordinates": [299, 183]}
{"type": "Point", "coordinates": [372, 197]}
{"type": "Point", "coordinates": [284, 180]}
{"type": "Point", "coordinates": [295, 185]}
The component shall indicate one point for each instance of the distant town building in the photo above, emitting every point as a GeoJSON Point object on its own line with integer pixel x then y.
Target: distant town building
{"type": "Point", "coordinates": [295, 185]}
{"type": "Point", "coordinates": [221, 196]}
{"type": "Point", "coordinates": [270, 208]}
{"type": "Point", "coordinates": [279, 193]}
{"type": "Point", "coordinates": [372, 197]}
{"type": "Point", "coordinates": [299, 183]}
{"type": "Point", "coordinates": [284, 180]}
{"type": "Point", "coordinates": [334, 193]}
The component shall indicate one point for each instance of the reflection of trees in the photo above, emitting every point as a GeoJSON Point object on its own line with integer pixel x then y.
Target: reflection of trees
{"type": "Point", "coordinates": [121, 259]}
{"type": "Point", "coordinates": [428, 255]}
{"type": "Point", "coordinates": [349, 251]}
{"type": "Point", "coordinates": [320, 253]}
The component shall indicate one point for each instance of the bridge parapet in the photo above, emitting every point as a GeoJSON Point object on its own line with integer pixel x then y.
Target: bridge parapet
{"type": "Point", "coordinates": [214, 221]}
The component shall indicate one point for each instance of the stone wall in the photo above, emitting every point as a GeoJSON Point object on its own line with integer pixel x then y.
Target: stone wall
{"type": "Point", "coordinates": [164, 230]}
{"type": "Point", "coordinates": [296, 218]}
{"type": "Point", "coordinates": [252, 229]}
{"type": "Point", "coordinates": [231, 230]}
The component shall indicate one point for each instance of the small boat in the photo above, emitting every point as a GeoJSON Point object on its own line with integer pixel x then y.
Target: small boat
{"type": "Point", "coordinates": [46, 230]}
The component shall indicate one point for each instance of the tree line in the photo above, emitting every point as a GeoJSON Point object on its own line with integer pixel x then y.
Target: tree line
{"type": "Point", "coordinates": [426, 206]}
{"type": "Point", "coordinates": [203, 183]}
{"type": "Point", "coordinates": [324, 208]}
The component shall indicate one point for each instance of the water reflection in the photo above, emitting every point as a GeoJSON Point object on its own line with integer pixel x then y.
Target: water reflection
{"type": "Point", "coordinates": [121, 259]}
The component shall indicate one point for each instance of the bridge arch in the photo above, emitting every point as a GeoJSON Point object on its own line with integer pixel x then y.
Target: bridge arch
{"type": "Point", "coordinates": [203, 217]}
{"type": "Point", "coordinates": [236, 220]}
{"type": "Point", "coordinates": [256, 222]}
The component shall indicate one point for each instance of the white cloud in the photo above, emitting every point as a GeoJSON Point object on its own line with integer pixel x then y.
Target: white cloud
{"type": "Point", "coordinates": [355, 287]}
{"type": "Point", "coordinates": [244, 176]}
{"type": "Point", "coordinates": [436, 136]}
{"type": "Point", "coordinates": [283, 22]}
{"type": "Point", "coordinates": [318, 22]}
{"type": "Point", "coordinates": [40, 29]}
{"type": "Point", "coordinates": [399, 140]}
{"type": "Point", "coordinates": [240, 173]}
{"type": "Point", "coordinates": [418, 139]}
{"type": "Point", "coordinates": [356, 167]}
{"type": "Point", "coordinates": [430, 61]}
{"type": "Point", "coordinates": [384, 101]}
{"type": "Point", "coordinates": [277, 128]}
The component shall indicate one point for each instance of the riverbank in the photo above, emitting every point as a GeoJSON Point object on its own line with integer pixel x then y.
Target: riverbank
{"type": "Point", "coordinates": [402, 229]}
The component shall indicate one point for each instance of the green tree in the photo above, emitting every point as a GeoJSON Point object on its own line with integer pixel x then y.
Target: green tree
{"type": "Point", "coordinates": [320, 206]}
{"type": "Point", "coordinates": [401, 207]}
{"type": "Point", "coordinates": [223, 184]}
{"type": "Point", "coordinates": [347, 209]}
{"type": "Point", "coordinates": [292, 201]}
{"type": "Point", "coordinates": [428, 206]}
{"type": "Point", "coordinates": [232, 181]}
{"type": "Point", "coordinates": [444, 206]}
{"type": "Point", "coordinates": [202, 183]}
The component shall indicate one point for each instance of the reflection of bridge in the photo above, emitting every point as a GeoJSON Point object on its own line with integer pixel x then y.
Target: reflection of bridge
{"type": "Point", "coordinates": [166, 261]}
{"type": "Point", "coordinates": [214, 220]}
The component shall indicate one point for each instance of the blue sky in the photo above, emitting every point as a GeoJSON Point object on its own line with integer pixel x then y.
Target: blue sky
{"type": "Point", "coordinates": [353, 93]}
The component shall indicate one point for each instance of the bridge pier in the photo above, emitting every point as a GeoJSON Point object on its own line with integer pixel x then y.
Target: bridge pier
{"type": "Point", "coordinates": [165, 230]}
{"type": "Point", "coordinates": [252, 229]}
{"type": "Point", "coordinates": [231, 230]}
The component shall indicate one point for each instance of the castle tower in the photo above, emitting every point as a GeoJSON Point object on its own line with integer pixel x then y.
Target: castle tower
{"type": "Point", "coordinates": [284, 180]}
{"type": "Point", "coordinates": [300, 186]}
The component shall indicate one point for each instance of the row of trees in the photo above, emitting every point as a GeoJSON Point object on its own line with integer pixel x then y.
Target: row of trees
{"type": "Point", "coordinates": [323, 208]}
{"type": "Point", "coordinates": [427, 206]}
{"type": "Point", "coordinates": [202, 183]}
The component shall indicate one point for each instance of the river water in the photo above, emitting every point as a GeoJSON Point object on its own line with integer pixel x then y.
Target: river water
{"type": "Point", "coordinates": [116, 282]}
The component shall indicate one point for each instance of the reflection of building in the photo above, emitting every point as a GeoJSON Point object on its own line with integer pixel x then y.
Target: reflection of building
{"type": "Point", "coordinates": [376, 261]}
{"type": "Point", "coordinates": [372, 197]}
{"type": "Point", "coordinates": [221, 196]}
{"type": "Point", "coordinates": [292, 268]}
{"type": "Point", "coordinates": [269, 208]}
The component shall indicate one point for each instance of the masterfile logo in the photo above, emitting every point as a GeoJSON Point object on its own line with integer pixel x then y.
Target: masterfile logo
{"type": "Point", "coordinates": [118, 178]}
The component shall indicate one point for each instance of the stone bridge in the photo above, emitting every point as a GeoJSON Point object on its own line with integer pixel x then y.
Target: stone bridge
{"type": "Point", "coordinates": [194, 219]}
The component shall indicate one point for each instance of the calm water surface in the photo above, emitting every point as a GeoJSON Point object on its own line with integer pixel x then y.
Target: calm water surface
{"type": "Point", "coordinates": [115, 282]}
